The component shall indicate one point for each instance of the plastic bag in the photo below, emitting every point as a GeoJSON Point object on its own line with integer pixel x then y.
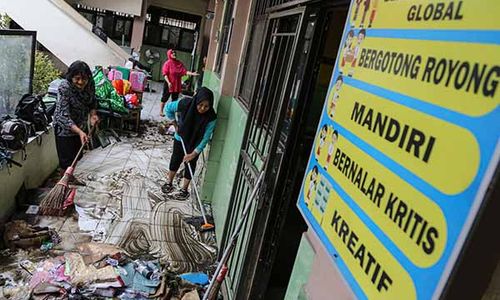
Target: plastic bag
{"type": "Point", "coordinates": [107, 95]}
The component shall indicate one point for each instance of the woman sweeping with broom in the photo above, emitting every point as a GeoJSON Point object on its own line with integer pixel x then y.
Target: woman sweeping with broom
{"type": "Point", "coordinates": [75, 102]}
{"type": "Point", "coordinates": [194, 128]}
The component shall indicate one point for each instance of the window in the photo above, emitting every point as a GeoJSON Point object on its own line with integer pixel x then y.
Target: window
{"type": "Point", "coordinates": [171, 29]}
{"type": "Point", "coordinates": [17, 48]}
{"type": "Point", "coordinates": [112, 24]}
{"type": "Point", "coordinates": [187, 40]}
{"type": "Point", "coordinates": [170, 37]}
{"type": "Point", "coordinates": [251, 63]}
{"type": "Point", "coordinates": [128, 28]}
{"type": "Point", "coordinates": [88, 16]}
{"type": "Point", "coordinates": [99, 21]}
{"type": "Point", "coordinates": [251, 59]}
{"type": "Point", "coordinates": [262, 5]}
{"type": "Point", "coordinates": [173, 36]}
{"type": "Point", "coordinates": [120, 27]}
{"type": "Point", "coordinates": [177, 23]}
{"type": "Point", "coordinates": [225, 34]}
{"type": "Point", "coordinates": [122, 30]}
{"type": "Point", "coordinates": [165, 35]}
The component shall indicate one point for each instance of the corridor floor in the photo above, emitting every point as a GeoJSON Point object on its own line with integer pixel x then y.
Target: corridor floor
{"type": "Point", "coordinates": [122, 204]}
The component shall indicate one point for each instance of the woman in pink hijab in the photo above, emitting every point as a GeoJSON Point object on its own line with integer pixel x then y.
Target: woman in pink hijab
{"type": "Point", "coordinates": [172, 71]}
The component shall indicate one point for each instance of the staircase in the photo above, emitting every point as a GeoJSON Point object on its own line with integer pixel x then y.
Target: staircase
{"type": "Point", "coordinates": [64, 32]}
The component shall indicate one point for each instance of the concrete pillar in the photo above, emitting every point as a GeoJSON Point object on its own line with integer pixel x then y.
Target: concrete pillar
{"type": "Point", "coordinates": [138, 28]}
{"type": "Point", "coordinates": [217, 7]}
{"type": "Point", "coordinates": [240, 29]}
{"type": "Point", "coordinates": [137, 33]}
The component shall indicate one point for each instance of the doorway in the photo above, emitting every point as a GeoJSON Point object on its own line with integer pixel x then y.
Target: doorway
{"type": "Point", "coordinates": [286, 224]}
{"type": "Point", "coordinates": [298, 57]}
{"type": "Point", "coordinates": [260, 142]}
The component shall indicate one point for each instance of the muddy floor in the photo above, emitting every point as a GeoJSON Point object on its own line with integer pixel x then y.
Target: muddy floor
{"type": "Point", "coordinates": [122, 204]}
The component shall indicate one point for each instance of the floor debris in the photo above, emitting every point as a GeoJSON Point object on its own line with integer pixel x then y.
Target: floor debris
{"type": "Point", "coordinates": [122, 240]}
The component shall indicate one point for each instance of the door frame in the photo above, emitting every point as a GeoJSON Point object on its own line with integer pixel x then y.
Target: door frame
{"type": "Point", "coordinates": [249, 255]}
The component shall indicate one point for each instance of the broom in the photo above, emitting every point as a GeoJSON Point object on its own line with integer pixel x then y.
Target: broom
{"type": "Point", "coordinates": [53, 203]}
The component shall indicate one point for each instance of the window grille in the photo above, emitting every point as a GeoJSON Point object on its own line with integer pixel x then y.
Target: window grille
{"type": "Point", "coordinates": [225, 34]}
{"type": "Point", "coordinates": [171, 29]}
{"type": "Point", "coordinates": [263, 5]}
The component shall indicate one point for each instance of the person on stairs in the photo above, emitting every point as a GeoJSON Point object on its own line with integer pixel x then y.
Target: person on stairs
{"type": "Point", "coordinates": [195, 125]}
{"type": "Point", "coordinates": [76, 101]}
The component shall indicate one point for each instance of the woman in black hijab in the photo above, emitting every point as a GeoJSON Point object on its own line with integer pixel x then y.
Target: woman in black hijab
{"type": "Point", "coordinates": [76, 100]}
{"type": "Point", "coordinates": [195, 126]}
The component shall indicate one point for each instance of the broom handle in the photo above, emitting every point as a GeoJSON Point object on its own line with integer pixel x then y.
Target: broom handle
{"type": "Point", "coordinates": [194, 183]}
{"type": "Point", "coordinates": [81, 149]}
{"type": "Point", "coordinates": [234, 237]}
{"type": "Point", "coordinates": [77, 155]}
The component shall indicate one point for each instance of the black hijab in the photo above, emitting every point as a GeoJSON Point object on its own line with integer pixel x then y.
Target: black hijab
{"type": "Point", "coordinates": [192, 124]}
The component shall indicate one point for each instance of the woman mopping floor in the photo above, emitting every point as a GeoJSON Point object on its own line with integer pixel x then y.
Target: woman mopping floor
{"type": "Point", "coordinates": [195, 127]}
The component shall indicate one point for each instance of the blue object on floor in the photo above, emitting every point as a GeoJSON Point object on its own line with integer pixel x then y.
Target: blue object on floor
{"type": "Point", "coordinates": [196, 278]}
{"type": "Point", "coordinates": [135, 281]}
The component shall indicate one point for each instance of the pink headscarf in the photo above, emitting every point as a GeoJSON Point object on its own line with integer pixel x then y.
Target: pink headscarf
{"type": "Point", "coordinates": [174, 65]}
{"type": "Point", "coordinates": [174, 70]}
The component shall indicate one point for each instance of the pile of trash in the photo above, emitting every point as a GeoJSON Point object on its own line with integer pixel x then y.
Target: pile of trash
{"type": "Point", "coordinates": [20, 234]}
{"type": "Point", "coordinates": [121, 240]}
{"type": "Point", "coordinates": [153, 132]}
{"type": "Point", "coordinates": [98, 271]}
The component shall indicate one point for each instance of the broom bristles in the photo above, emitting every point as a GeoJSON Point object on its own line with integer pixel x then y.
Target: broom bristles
{"type": "Point", "coordinates": [52, 204]}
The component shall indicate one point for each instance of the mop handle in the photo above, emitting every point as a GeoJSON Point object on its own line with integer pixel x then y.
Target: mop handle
{"type": "Point", "coordinates": [234, 236]}
{"type": "Point", "coordinates": [194, 184]}
{"type": "Point", "coordinates": [81, 149]}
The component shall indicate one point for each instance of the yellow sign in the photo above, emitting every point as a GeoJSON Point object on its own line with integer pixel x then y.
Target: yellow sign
{"type": "Point", "coordinates": [414, 139]}
{"type": "Point", "coordinates": [375, 269]}
{"type": "Point", "coordinates": [426, 14]}
{"type": "Point", "coordinates": [449, 75]}
{"type": "Point", "coordinates": [413, 221]}
{"type": "Point", "coordinates": [406, 144]}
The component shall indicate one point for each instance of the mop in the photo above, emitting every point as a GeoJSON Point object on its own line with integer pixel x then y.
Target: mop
{"type": "Point", "coordinates": [205, 226]}
{"type": "Point", "coordinates": [220, 272]}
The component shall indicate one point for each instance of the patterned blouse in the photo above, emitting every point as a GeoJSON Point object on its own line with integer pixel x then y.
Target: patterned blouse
{"type": "Point", "coordinates": [73, 107]}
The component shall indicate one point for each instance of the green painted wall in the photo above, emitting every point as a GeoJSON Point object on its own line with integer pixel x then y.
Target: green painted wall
{"type": "Point", "coordinates": [212, 81]}
{"type": "Point", "coordinates": [301, 271]}
{"type": "Point", "coordinates": [224, 152]}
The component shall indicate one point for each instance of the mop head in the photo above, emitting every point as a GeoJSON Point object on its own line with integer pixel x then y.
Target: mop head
{"type": "Point", "coordinates": [199, 223]}
{"type": "Point", "coordinates": [53, 203]}
{"type": "Point", "coordinates": [207, 227]}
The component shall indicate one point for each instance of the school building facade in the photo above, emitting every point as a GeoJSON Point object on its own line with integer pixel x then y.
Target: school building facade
{"type": "Point", "coordinates": [270, 64]}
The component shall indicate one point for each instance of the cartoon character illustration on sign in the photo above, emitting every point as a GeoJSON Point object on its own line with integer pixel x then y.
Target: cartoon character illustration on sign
{"type": "Point", "coordinates": [322, 138]}
{"type": "Point", "coordinates": [331, 147]}
{"type": "Point", "coordinates": [334, 98]}
{"type": "Point", "coordinates": [348, 52]}
{"type": "Point", "coordinates": [313, 181]}
{"type": "Point", "coordinates": [373, 13]}
{"type": "Point", "coordinates": [351, 56]}
{"type": "Point", "coordinates": [356, 10]}
{"type": "Point", "coordinates": [359, 41]}
{"type": "Point", "coordinates": [366, 8]}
